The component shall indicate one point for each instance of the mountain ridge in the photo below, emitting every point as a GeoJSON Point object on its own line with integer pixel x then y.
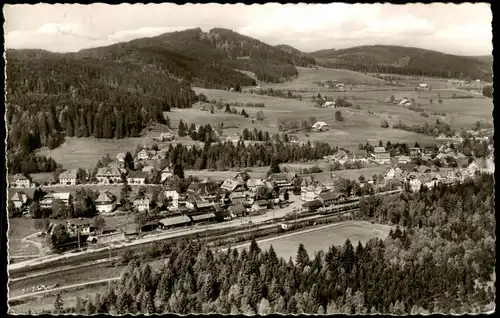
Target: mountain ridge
{"type": "Point", "coordinates": [405, 60]}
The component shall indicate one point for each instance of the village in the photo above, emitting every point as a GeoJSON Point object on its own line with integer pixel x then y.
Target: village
{"type": "Point", "coordinates": [158, 198]}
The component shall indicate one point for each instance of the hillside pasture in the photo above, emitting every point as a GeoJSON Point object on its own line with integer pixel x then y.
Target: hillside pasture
{"type": "Point", "coordinates": [306, 77]}
{"type": "Point", "coordinates": [77, 153]}
{"type": "Point", "coordinates": [20, 228]}
{"type": "Point", "coordinates": [321, 239]}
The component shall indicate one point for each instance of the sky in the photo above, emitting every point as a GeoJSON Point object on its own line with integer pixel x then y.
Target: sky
{"type": "Point", "coordinates": [463, 29]}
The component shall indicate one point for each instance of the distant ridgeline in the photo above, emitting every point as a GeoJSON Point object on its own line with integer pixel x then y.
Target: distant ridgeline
{"type": "Point", "coordinates": [406, 61]}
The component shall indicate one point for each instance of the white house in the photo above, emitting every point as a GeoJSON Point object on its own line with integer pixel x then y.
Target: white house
{"type": "Point", "coordinates": [46, 202]}
{"type": "Point", "coordinates": [415, 184]}
{"type": "Point", "coordinates": [260, 205]}
{"type": "Point", "coordinates": [472, 168]}
{"type": "Point", "coordinates": [143, 155]}
{"type": "Point", "coordinates": [404, 159]}
{"type": "Point", "coordinates": [166, 173]}
{"type": "Point", "coordinates": [120, 157]}
{"type": "Point", "coordinates": [19, 199]}
{"type": "Point", "coordinates": [68, 177]}
{"type": "Point", "coordinates": [405, 102]}
{"type": "Point", "coordinates": [320, 126]}
{"type": "Point", "coordinates": [329, 104]}
{"type": "Point", "coordinates": [108, 175]}
{"type": "Point", "coordinates": [173, 196]}
{"type": "Point", "coordinates": [21, 181]}
{"type": "Point", "coordinates": [106, 202]}
{"type": "Point", "coordinates": [141, 202]}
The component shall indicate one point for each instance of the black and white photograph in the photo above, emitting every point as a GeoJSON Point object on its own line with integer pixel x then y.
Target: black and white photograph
{"type": "Point", "coordinates": [258, 159]}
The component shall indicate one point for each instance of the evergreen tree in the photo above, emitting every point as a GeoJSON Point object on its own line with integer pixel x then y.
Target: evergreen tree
{"type": "Point", "coordinates": [58, 304]}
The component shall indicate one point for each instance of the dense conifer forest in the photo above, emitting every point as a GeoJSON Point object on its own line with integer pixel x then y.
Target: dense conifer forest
{"type": "Point", "coordinates": [439, 258]}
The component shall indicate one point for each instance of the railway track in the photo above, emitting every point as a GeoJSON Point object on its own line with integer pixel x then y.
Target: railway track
{"type": "Point", "coordinates": [72, 263]}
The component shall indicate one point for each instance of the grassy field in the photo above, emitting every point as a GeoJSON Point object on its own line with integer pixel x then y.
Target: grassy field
{"type": "Point", "coordinates": [359, 125]}
{"type": "Point", "coordinates": [309, 75]}
{"type": "Point", "coordinates": [20, 228]}
{"type": "Point", "coordinates": [322, 239]}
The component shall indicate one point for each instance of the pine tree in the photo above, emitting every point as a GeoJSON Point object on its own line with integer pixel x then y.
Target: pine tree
{"type": "Point", "coordinates": [58, 304]}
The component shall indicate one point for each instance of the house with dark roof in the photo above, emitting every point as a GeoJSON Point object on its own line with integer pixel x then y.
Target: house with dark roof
{"type": "Point", "coordinates": [141, 202]}
{"type": "Point", "coordinates": [231, 185]}
{"type": "Point", "coordinates": [237, 210]}
{"type": "Point", "coordinates": [280, 180]}
{"type": "Point", "coordinates": [106, 202]}
{"type": "Point", "coordinates": [242, 176]}
{"type": "Point", "coordinates": [331, 197]}
{"type": "Point", "coordinates": [108, 175]}
{"type": "Point", "coordinates": [82, 225]}
{"type": "Point", "coordinates": [253, 185]}
{"type": "Point", "coordinates": [21, 181]}
{"type": "Point", "coordinates": [381, 155]}
{"type": "Point", "coordinates": [166, 173]}
{"type": "Point", "coordinates": [174, 221]}
{"type": "Point", "coordinates": [260, 205]}
{"type": "Point", "coordinates": [312, 205]}
{"type": "Point", "coordinates": [20, 199]}
{"type": "Point", "coordinates": [136, 177]}
{"type": "Point", "coordinates": [48, 199]}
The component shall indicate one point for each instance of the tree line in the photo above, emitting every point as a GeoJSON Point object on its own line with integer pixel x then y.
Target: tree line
{"type": "Point", "coordinates": [222, 156]}
{"type": "Point", "coordinates": [439, 258]}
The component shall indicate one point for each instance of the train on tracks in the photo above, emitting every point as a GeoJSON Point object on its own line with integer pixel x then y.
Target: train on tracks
{"type": "Point", "coordinates": [349, 204]}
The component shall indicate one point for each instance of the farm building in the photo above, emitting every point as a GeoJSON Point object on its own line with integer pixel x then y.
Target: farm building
{"type": "Point", "coordinates": [320, 126]}
{"type": "Point", "coordinates": [174, 221]}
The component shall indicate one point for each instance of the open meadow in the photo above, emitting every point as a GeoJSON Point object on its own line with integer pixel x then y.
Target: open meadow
{"type": "Point", "coordinates": [321, 239]}
{"type": "Point", "coordinates": [19, 230]}
{"type": "Point", "coordinates": [359, 125]}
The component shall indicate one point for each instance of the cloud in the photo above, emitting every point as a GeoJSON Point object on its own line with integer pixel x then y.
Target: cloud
{"type": "Point", "coordinates": [455, 29]}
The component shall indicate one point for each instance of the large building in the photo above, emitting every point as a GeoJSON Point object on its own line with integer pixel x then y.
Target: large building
{"type": "Point", "coordinates": [106, 202]}
{"type": "Point", "coordinates": [381, 155]}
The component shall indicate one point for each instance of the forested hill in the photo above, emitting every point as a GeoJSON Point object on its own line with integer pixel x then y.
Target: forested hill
{"type": "Point", "coordinates": [50, 95]}
{"type": "Point", "coordinates": [405, 60]}
{"type": "Point", "coordinates": [208, 58]}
